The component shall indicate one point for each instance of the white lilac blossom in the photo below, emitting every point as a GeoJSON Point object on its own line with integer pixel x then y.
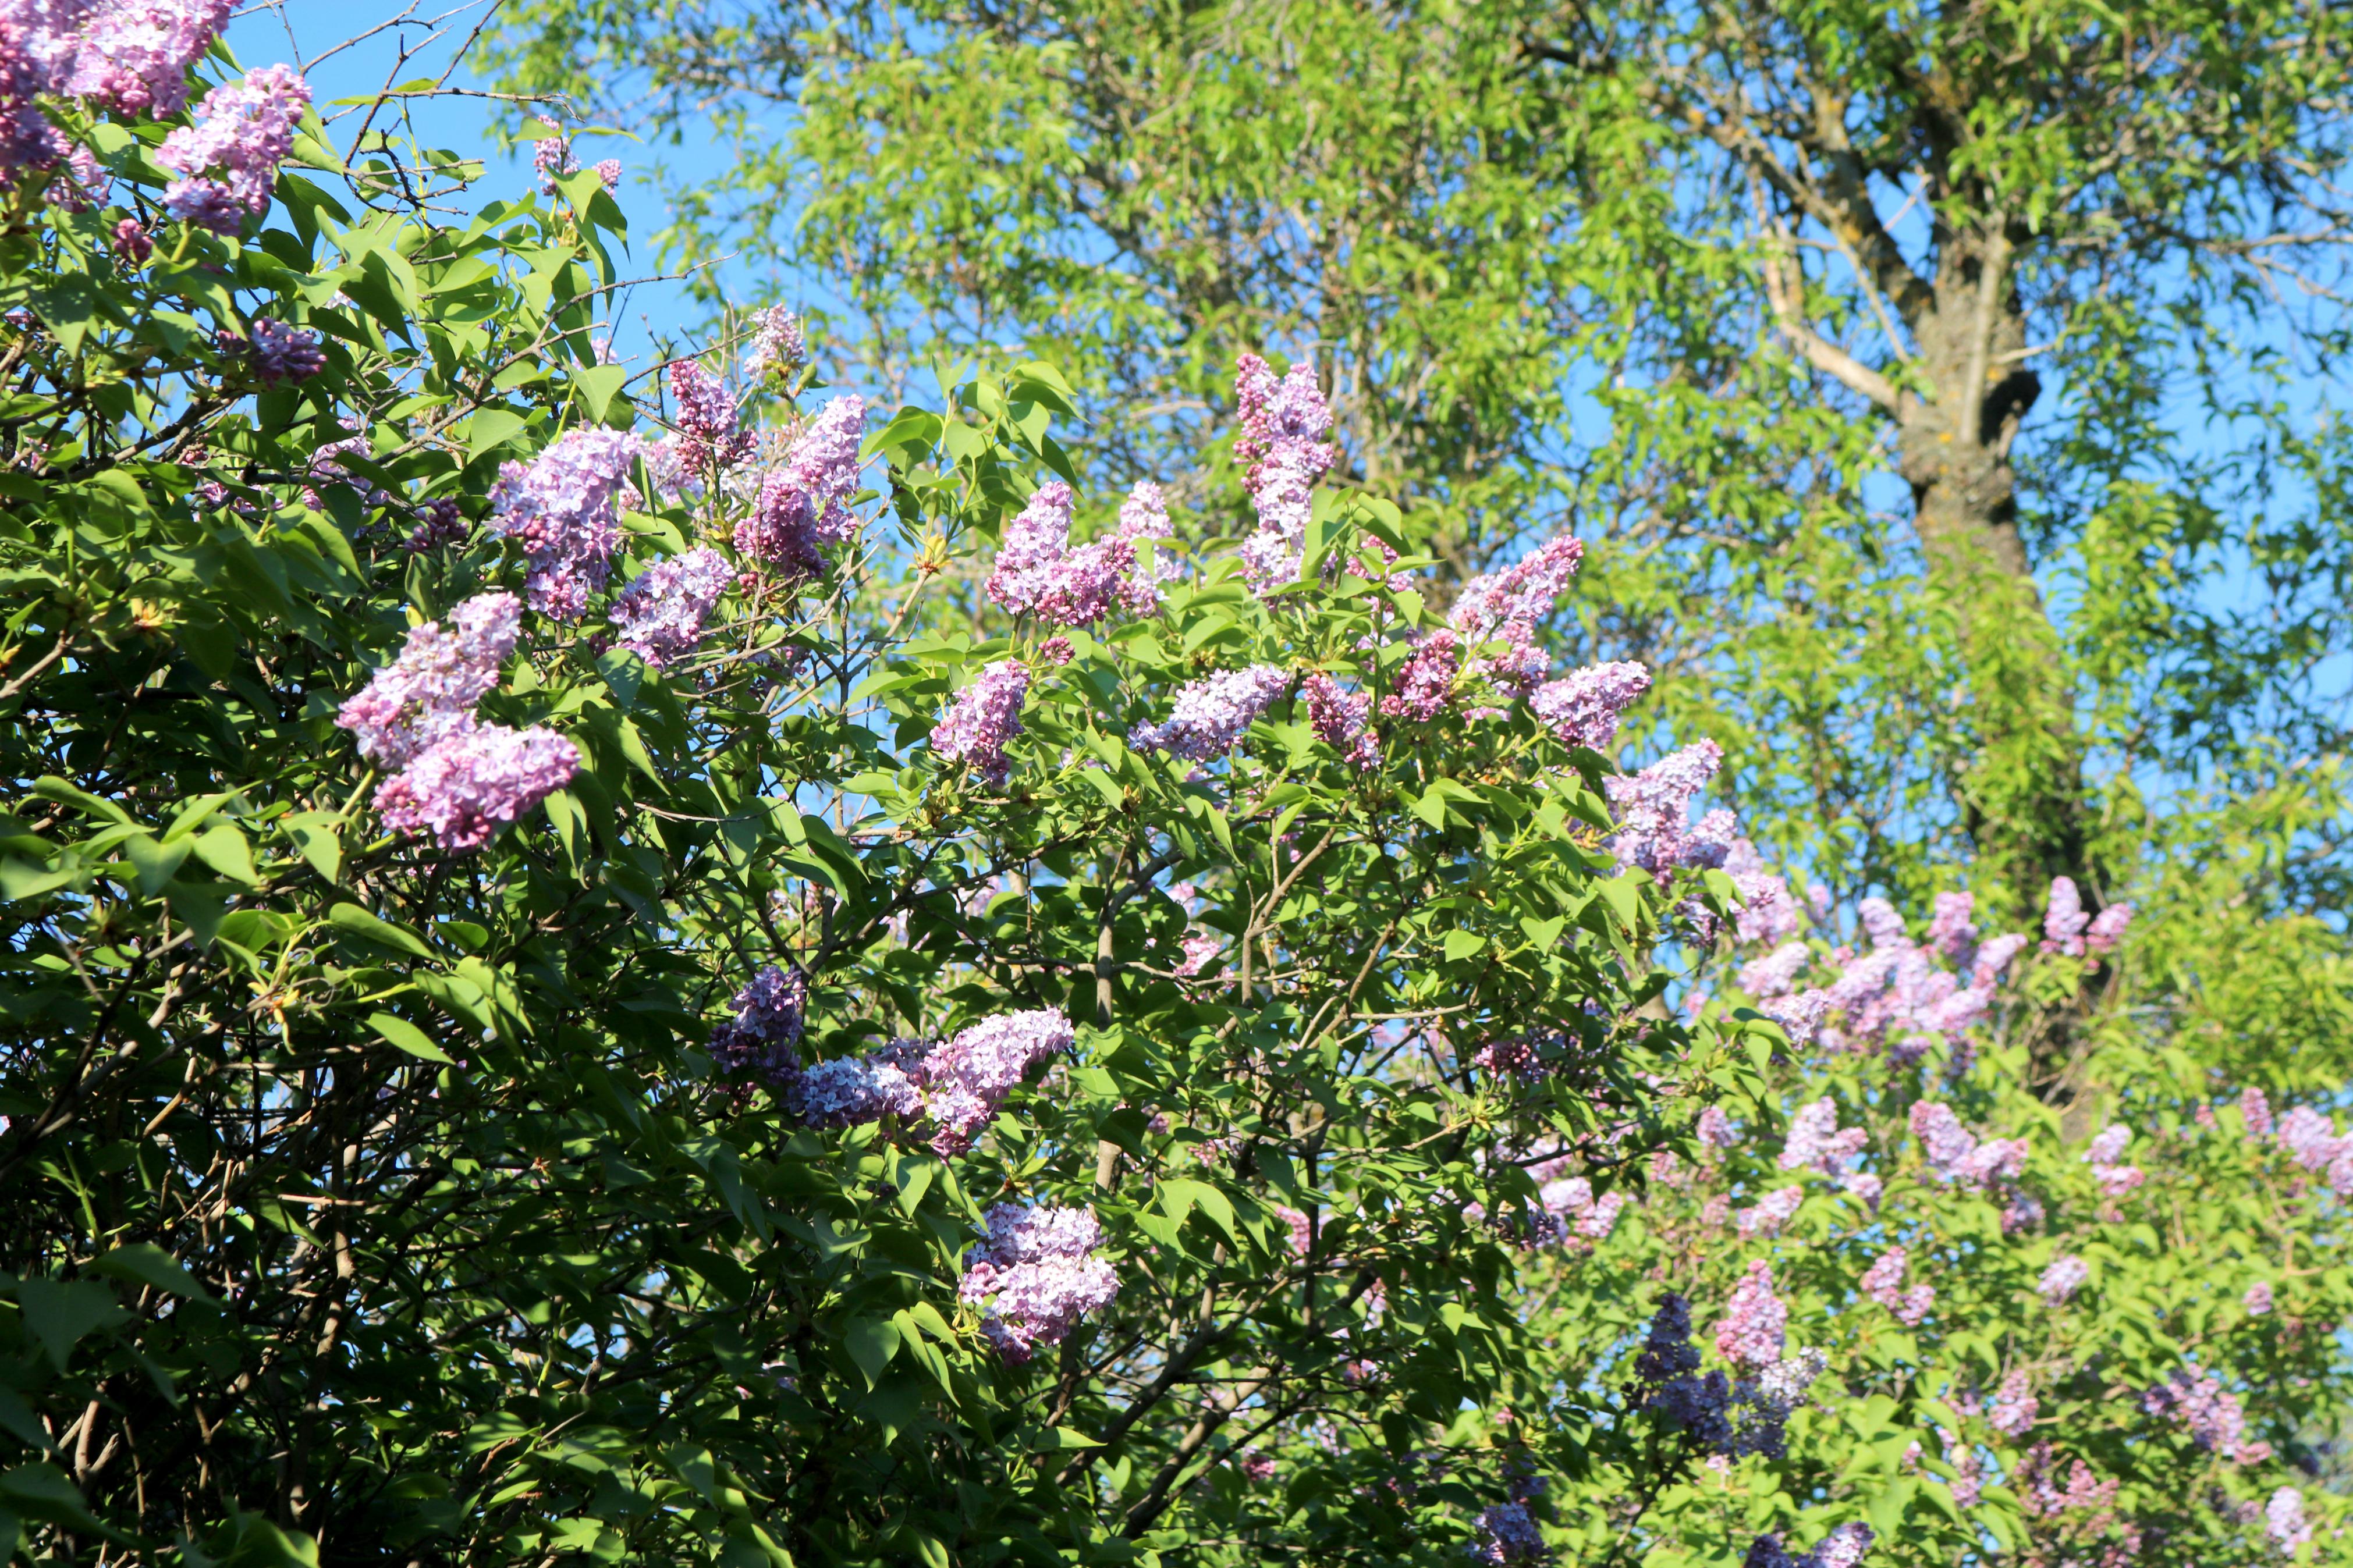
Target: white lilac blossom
{"type": "Point", "coordinates": [1338, 718]}
{"type": "Point", "coordinates": [1283, 454]}
{"type": "Point", "coordinates": [969, 1078]}
{"type": "Point", "coordinates": [761, 1039]}
{"type": "Point", "coordinates": [2061, 1281]}
{"type": "Point", "coordinates": [1583, 706]}
{"type": "Point", "coordinates": [464, 789]}
{"type": "Point", "coordinates": [2284, 1522]}
{"type": "Point", "coordinates": [984, 716]}
{"type": "Point", "coordinates": [802, 509]}
{"type": "Point", "coordinates": [243, 128]}
{"type": "Point", "coordinates": [428, 693]}
{"type": "Point", "coordinates": [1035, 1275]}
{"type": "Point", "coordinates": [560, 506]}
{"type": "Point", "coordinates": [1209, 715]}
{"type": "Point", "coordinates": [1755, 1320]}
{"type": "Point", "coordinates": [778, 345]}
{"type": "Point", "coordinates": [660, 614]}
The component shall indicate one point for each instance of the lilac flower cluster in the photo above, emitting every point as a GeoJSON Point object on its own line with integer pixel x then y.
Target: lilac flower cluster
{"type": "Point", "coordinates": [1198, 951]}
{"type": "Point", "coordinates": [243, 128]}
{"type": "Point", "coordinates": [1843, 1547]}
{"type": "Point", "coordinates": [1884, 1283]}
{"type": "Point", "coordinates": [967, 1079]}
{"type": "Point", "coordinates": [1772, 1210]}
{"type": "Point", "coordinates": [983, 717]}
{"type": "Point", "coordinates": [661, 614]}
{"type": "Point", "coordinates": [711, 433]}
{"type": "Point", "coordinates": [1424, 683]}
{"type": "Point", "coordinates": [1570, 1203]}
{"type": "Point", "coordinates": [1508, 1534]}
{"type": "Point", "coordinates": [465, 789]}
{"type": "Point", "coordinates": [2014, 1407]}
{"type": "Point", "coordinates": [1715, 1133]}
{"type": "Point", "coordinates": [2311, 1142]}
{"type": "Point", "coordinates": [762, 1039]}
{"type": "Point", "coordinates": [803, 510]}
{"type": "Point", "coordinates": [2067, 930]}
{"type": "Point", "coordinates": [778, 345]}
{"type": "Point", "coordinates": [1209, 716]}
{"type": "Point", "coordinates": [846, 1091]}
{"type": "Point", "coordinates": [2065, 1275]}
{"type": "Point", "coordinates": [129, 56]}
{"type": "Point", "coordinates": [1954, 1154]}
{"type": "Point", "coordinates": [2258, 1299]}
{"type": "Point", "coordinates": [1284, 455]}
{"type": "Point", "coordinates": [1338, 718]}
{"type": "Point", "coordinates": [1525, 592]}
{"type": "Point", "coordinates": [1582, 708]}
{"type": "Point", "coordinates": [281, 353]}
{"type": "Point", "coordinates": [1717, 1416]}
{"type": "Point", "coordinates": [552, 160]}
{"type": "Point", "coordinates": [2284, 1522]}
{"type": "Point", "coordinates": [1817, 1143]}
{"type": "Point", "coordinates": [2115, 1177]}
{"type": "Point", "coordinates": [1036, 571]}
{"type": "Point", "coordinates": [2212, 1415]}
{"type": "Point", "coordinates": [560, 506]}
{"type": "Point", "coordinates": [1755, 1320]}
{"type": "Point", "coordinates": [459, 780]}
{"type": "Point", "coordinates": [2255, 1112]}
{"type": "Point", "coordinates": [1035, 1275]}
{"type": "Point", "coordinates": [1651, 806]}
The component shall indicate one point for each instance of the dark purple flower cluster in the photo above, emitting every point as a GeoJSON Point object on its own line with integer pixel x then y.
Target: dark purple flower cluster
{"type": "Point", "coordinates": [278, 352]}
{"type": "Point", "coordinates": [763, 1039]}
{"type": "Point", "coordinates": [1338, 718]}
{"type": "Point", "coordinates": [2198, 1402]}
{"type": "Point", "coordinates": [711, 433]}
{"type": "Point", "coordinates": [1424, 686]}
{"type": "Point", "coordinates": [803, 510]}
{"type": "Point", "coordinates": [1843, 1548]}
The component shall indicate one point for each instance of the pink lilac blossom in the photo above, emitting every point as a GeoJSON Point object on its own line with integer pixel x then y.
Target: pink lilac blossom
{"type": "Point", "coordinates": [464, 789]}
{"type": "Point", "coordinates": [969, 1078]}
{"type": "Point", "coordinates": [1508, 1534]}
{"type": "Point", "coordinates": [778, 344]}
{"type": "Point", "coordinates": [2212, 1415]}
{"type": "Point", "coordinates": [1755, 1320]}
{"type": "Point", "coordinates": [1816, 1141]}
{"type": "Point", "coordinates": [1582, 708]}
{"type": "Point", "coordinates": [1518, 669]}
{"type": "Point", "coordinates": [803, 510]}
{"type": "Point", "coordinates": [38, 48]}
{"type": "Point", "coordinates": [1035, 1276]}
{"type": "Point", "coordinates": [1525, 592]}
{"type": "Point", "coordinates": [661, 614]}
{"type": "Point", "coordinates": [1257, 1468]}
{"type": "Point", "coordinates": [2309, 1137]}
{"type": "Point", "coordinates": [552, 160]}
{"type": "Point", "coordinates": [1057, 650]}
{"type": "Point", "coordinates": [2014, 1407]}
{"type": "Point", "coordinates": [2115, 1178]}
{"type": "Point", "coordinates": [1424, 683]}
{"type": "Point", "coordinates": [1771, 1213]}
{"type": "Point", "coordinates": [2107, 927]}
{"type": "Point", "coordinates": [1284, 456]}
{"type": "Point", "coordinates": [1143, 519]}
{"type": "Point", "coordinates": [2258, 1299]}
{"type": "Point", "coordinates": [560, 506]}
{"type": "Point", "coordinates": [1884, 1283]}
{"type": "Point", "coordinates": [1338, 718]}
{"type": "Point", "coordinates": [243, 128]}
{"type": "Point", "coordinates": [1034, 543]}
{"type": "Point", "coordinates": [1767, 912]}
{"type": "Point", "coordinates": [2064, 1277]}
{"type": "Point", "coordinates": [1954, 1154]}
{"type": "Point", "coordinates": [134, 55]}
{"type": "Point", "coordinates": [2284, 1522]}
{"type": "Point", "coordinates": [1715, 1133]}
{"type": "Point", "coordinates": [1209, 716]}
{"type": "Point", "coordinates": [428, 693]}
{"type": "Point", "coordinates": [982, 718]}
{"type": "Point", "coordinates": [1800, 1016]}
{"type": "Point", "coordinates": [1952, 931]}
{"type": "Point", "coordinates": [1869, 1188]}
{"type": "Point", "coordinates": [130, 242]}
{"type": "Point", "coordinates": [1776, 974]}
{"type": "Point", "coordinates": [1995, 957]}
{"type": "Point", "coordinates": [1198, 951]}
{"type": "Point", "coordinates": [2255, 1112]}
{"type": "Point", "coordinates": [2064, 918]}
{"type": "Point", "coordinates": [711, 433]}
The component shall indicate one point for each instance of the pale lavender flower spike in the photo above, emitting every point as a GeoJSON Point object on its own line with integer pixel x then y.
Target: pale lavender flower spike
{"type": "Point", "coordinates": [661, 614]}
{"type": "Point", "coordinates": [1209, 715]}
{"type": "Point", "coordinates": [1284, 455]}
{"type": "Point", "coordinates": [428, 693]}
{"type": "Point", "coordinates": [243, 128]}
{"type": "Point", "coordinates": [466, 788]}
{"type": "Point", "coordinates": [1035, 1275]}
{"type": "Point", "coordinates": [561, 508]}
{"type": "Point", "coordinates": [984, 716]}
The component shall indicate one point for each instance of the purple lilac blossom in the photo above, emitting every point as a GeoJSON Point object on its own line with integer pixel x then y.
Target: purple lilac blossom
{"type": "Point", "coordinates": [134, 55]}
{"type": "Point", "coordinates": [2284, 1522]}
{"type": "Point", "coordinates": [38, 51]}
{"type": "Point", "coordinates": [1767, 912]}
{"type": "Point", "coordinates": [2255, 1112]}
{"type": "Point", "coordinates": [1776, 974]}
{"type": "Point", "coordinates": [467, 787]}
{"type": "Point", "coordinates": [761, 1036]}
{"type": "Point", "coordinates": [2309, 1137]}
{"type": "Point", "coordinates": [1651, 806]}
{"type": "Point", "coordinates": [2115, 1178]}
{"type": "Point", "coordinates": [1772, 1211]}
{"type": "Point", "coordinates": [1508, 1534]}
{"type": "Point", "coordinates": [2212, 1415]}
{"type": "Point", "coordinates": [1952, 931]}
{"type": "Point", "coordinates": [552, 160]}
{"type": "Point", "coordinates": [2014, 1407]}
{"type": "Point", "coordinates": [2064, 918]}
{"type": "Point", "coordinates": [1209, 716]}
{"type": "Point", "coordinates": [1284, 456]}
{"type": "Point", "coordinates": [982, 718]}
{"type": "Point", "coordinates": [803, 510]}
{"type": "Point", "coordinates": [560, 506]}
{"type": "Point", "coordinates": [1995, 957]}
{"type": "Point", "coordinates": [242, 129]}
{"type": "Point", "coordinates": [2107, 927]}
{"type": "Point", "coordinates": [1582, 707]}
{"type": "Point", "coordinates": [849, 1090]}
{"type": "Point", "coordinates": [969, 1078]}
{"type": "Point", "coordinates": [427, 694]}
{"type": "Point", "coordinates": [2258, 1299]}
{"type": "Point", "coordinates": [1257, 1468]}
{"type": "Point", "coordinates": [1755, 1320]}
{"type": "Point", "coordinates": [1715, 1133]}
{"type": "Point", "coordinates": [1198, 951]}
{"type": "Point", "coordinates": [778, 344]}
{"type": "Point", "coordinates": [711, 433]}
{"type": "Point", "coordinates": [1815, 1141]}
{"type": "Point", "coordinates": [1954, 1154]}
{"type": "Point", "coordinates": [1884, 1283]}
{"type": "Point", "coordinates": [2063, 1278]}
{"type": "Point", "coordinates": [660, 614]}
{"type": "Point", "coordinates": [1035, 1276]}
{"type": "Point", "coordinates": [283, 354]}
{"type": "Point", "coordinates": [1424, 682]}
{"type": "Point", "coordinates": [80, 184]}
{"type": "Point", "coordinates": [132, 243]}
{"type": "Point", "coordinates": [1034, 543]}
{"type": "Point", "coordinates": [1524, 593]}
{"type": "Point", "coordinates": [1338, 718]}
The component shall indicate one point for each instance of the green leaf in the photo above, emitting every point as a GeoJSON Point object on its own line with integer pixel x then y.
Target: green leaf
{"type": "Point", "coordinates": [404, 1036]}
{"type": "Point", "coordinates": [317, 840]}
{"type": "Point", "coordinates": [871, 1342]}
{"type": "Point", "coordinates": [144, 1263]}
{"type": "Point", "coordinates": [358, 922]}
